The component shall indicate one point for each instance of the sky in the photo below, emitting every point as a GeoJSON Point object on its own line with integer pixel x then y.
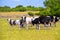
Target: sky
{"type": "Point", "coordinates": [14, 3]}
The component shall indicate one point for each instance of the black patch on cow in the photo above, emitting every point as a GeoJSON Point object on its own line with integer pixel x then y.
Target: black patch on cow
{"type": "Point", "coordinates": [36, 21]}
{"type": "Point", "coordinates": [21, 22]}
{"type": "Point", "coordinates": [51, 18]}
{"type": "Point", "coordinates": [56, 19]}
{"type": "Point", "coordinates": [14, 22]}
{"type": "Point", "coordinates": [10, 23]}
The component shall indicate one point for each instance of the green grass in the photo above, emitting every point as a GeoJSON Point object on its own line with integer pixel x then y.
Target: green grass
{"type": "Point", "coordinates": [6, 33]}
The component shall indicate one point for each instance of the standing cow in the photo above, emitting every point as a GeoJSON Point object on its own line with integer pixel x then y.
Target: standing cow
{"type": "Point", "coordinates": [42, 20]}
{"type": "Point", "coordinates": [28, 20]}
{"type": "Point", "coordinates": [15, 22]}
{"type": "Point", "coordinates": [54, 19]}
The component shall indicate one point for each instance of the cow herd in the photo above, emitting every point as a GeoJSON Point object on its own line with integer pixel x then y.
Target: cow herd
{"type": "Point", "coordinates": [45, 20]}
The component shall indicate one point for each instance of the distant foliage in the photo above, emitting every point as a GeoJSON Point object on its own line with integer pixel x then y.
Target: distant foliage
{"type": "Point", "coordinates": [30, 14]}
{"type": "Point", "coordinates": [37, 14]}
{"type": "Point", "coordinates": [54, 6]}
{"type": "Point", "coordinates": [5, 9]}
{"type": "Point", "coordinates": [20, 8]}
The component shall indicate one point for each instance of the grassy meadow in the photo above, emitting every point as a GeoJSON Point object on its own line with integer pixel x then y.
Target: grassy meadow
{"type": "Point", "coordinates": [6, 33]}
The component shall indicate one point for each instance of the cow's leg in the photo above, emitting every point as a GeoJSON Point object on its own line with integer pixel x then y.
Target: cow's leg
{"type": "Point", "coordinates": [21, 25]}
{"type": "Point", "coordinates": [11, 25]}
{"type": "Point", "coordinates": [44, 24]}
{"type": "Point", "coordinates": [32, 25]}
{"type": "Point", "coordinates": [48, 24]}
{"type": "Point", "coordinates": [55, 24]}
{"type": "Point", "coordinates": [27, 26]}
{"type": "Point", "coordinates": [37, 26]}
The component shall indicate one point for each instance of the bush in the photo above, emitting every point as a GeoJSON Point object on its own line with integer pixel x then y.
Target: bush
{"type": "Point", "coordinates": [30, 14]}
{"type": "Point", "coordinates": [37, 14]}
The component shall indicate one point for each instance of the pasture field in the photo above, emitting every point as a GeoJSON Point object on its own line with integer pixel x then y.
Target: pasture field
{"type": "Point", "coordinates": [6, 33]}
{"type": "Point", "coordinates": [14, 14]}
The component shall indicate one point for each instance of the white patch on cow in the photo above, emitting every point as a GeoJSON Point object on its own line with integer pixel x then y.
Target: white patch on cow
{"type": "Point", "coordinates": [54, 18]}
{"type": "Point", "coordinates": [17, 21]}
{"type": "Point", "coordinates": [8, 19]}
{"type": "Point", "coordinates": [57, 17]}
{"type": "Point", "coordinates": [47, 25]}
{"type": "Point", "coordinates": [48, 16]}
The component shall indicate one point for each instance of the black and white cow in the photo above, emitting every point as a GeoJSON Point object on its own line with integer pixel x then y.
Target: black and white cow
{"type": "Point", "coordinates": [54, 19]}
{"type": "Point", "coordinates": [42, 20]}
{"type": "Point", "coordinates": [15, 22]}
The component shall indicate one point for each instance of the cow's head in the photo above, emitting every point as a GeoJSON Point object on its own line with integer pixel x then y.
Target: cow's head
{"type": "Point", "coordinates": [8, 19]}
{"type": "Point", "coordinates": [23, 18]}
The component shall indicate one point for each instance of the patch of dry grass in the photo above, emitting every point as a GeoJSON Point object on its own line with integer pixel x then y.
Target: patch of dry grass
{"type": "Point", "coordinates": [14, 14]}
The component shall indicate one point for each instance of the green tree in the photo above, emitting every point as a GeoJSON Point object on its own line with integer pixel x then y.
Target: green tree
{"type": "Point", "coordinates": [19, 8]}
{"type": "Point", "coordinates": [5, 9]}
{"type": "Point", "coordinates": [30, 8]}
{"type": "Point", "coordinates": [54, 6]}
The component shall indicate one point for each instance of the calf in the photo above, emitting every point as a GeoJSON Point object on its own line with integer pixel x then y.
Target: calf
{"type": "Point", "coordinates": [15, 22]}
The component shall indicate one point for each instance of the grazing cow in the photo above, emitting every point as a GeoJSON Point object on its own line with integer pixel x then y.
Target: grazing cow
{"type": "Point", "coordinates": [15, 22]}
{"type": "Point", "coordinates": [28, 20]}
{"type": "Point", "coordinates": [54, 19]}
{"type": "Point", "coordinates": [42, 20]}
{"type": "Point", "coordinates": [37, 22]}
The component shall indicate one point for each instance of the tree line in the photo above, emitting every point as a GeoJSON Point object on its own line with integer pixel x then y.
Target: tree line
{"type": "Point", "coordinates": [19, 8]}
{"type": "Point", "coordinates": [52, 8]}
